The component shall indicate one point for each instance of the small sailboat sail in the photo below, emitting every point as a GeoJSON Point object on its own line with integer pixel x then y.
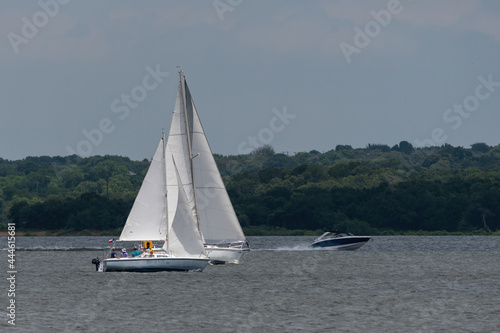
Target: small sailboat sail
{"type": "Point", "coordinates": [210, 204]}
{"type": "Point", "coordinates": [147, 219]}
{"type": "Point", "coordinates": [166, 243]}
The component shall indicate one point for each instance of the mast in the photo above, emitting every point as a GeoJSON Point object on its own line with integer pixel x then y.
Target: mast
{"type": "Point", "coordinates": [165, 182]}
{"type": "Point", "coordinates": [190, 154]}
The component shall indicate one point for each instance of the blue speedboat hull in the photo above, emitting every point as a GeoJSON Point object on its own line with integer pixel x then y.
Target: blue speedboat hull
{"type": "Point", "coordinates": [342, 243]}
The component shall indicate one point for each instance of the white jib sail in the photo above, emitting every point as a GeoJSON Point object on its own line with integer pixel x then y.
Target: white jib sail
{"type": "Point", "coordinates": [184, 238]}
{"type": "Point", "coordinates": [148, 218]}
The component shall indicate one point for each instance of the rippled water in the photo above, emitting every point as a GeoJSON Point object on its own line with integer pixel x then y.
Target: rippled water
{"type": "Point", "coordinates": [392, 284]}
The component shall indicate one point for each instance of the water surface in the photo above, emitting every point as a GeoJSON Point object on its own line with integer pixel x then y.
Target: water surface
{"type": "Point", "coordinates": [392, 284]}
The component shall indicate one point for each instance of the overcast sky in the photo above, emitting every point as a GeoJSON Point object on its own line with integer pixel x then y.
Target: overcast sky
{"type": "Point", "coordinates": [100, 77]}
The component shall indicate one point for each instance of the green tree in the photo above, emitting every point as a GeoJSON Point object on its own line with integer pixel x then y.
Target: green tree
{"type": "Point", "coordinates": [107, 169]}
{"type": "Point", "coordinates": [480, 147]}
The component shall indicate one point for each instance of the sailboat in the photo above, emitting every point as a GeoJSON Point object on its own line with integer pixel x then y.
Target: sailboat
{"type": "Point", "coordinates": [223, 238]}
{"type": "Point", "coordinates": [164, 239]}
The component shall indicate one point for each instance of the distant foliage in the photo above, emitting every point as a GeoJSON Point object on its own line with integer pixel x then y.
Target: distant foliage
{"type": "Point", "coordinates": [405, 147]}
{"type": "Point", "coordinates": [343, 147]}
{"type": "Point", "coordinates": [480, 147]}
{"type": "Point", "coordinates": [265, 150]}
{"type": "Point", "coordinates": [363, 191]}
{"type": "Point", "coordinates": [381, 147]}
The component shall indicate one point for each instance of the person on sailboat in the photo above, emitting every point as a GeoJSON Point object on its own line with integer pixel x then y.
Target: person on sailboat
{"type": "Point", "coordinates": [135, 252]}
{"type": "Point", "coordinates": [113, 253]}
{"type": "Point", "coordinates": [124, 253]}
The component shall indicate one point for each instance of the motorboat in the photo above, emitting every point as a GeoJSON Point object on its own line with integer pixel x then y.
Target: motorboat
{"type": "Point", "coordinates": [340, 241]}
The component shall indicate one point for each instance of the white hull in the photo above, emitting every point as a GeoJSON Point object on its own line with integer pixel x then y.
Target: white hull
{"type": "Point", "coordinates": [154, 264]}
{"type": "Point", "coordinates": [225, 254]}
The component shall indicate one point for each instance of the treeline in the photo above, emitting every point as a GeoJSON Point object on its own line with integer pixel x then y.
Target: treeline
{"type": "Point", "coordinates": [365, 191]}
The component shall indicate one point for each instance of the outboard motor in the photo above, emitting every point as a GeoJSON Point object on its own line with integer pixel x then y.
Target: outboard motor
{"type": "Point", "coordinates": [96, 262]}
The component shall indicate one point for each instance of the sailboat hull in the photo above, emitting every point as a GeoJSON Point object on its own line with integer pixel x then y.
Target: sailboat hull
{"type": "Point", "coordinates": [154, 264]}
{"type": "Point", "coordinates": [226, 255]}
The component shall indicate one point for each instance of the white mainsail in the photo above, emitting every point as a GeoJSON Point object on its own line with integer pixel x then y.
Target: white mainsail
{"type": "Point", "coordinates": [210, 202]}
{"type": "Point", "coordinates": [177, 146]}
{"type": "Point", "coordinates": [148, 218]}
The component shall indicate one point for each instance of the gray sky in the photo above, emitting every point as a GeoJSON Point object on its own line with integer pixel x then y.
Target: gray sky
{"type": "Point", "coordinates": [91, 76]}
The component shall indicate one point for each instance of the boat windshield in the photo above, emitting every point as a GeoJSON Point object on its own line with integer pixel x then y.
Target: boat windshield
{"type": "Point", "coordinates": [334, 234]}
